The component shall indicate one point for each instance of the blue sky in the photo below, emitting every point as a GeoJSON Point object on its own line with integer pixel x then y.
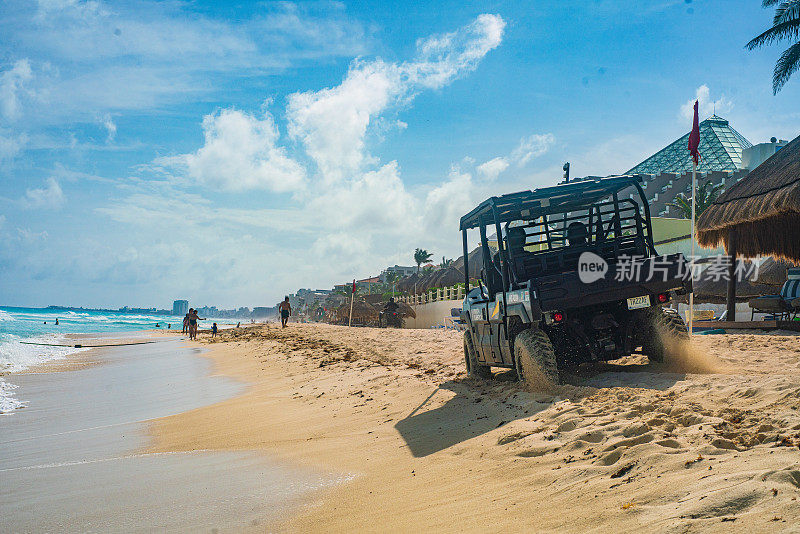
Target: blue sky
{"type": "Point", "coordinates": [230, 153]}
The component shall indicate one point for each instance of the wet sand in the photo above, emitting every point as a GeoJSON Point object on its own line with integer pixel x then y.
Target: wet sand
{"type": "Point", "coordinates": [75, 459]}
{"type": "Point", "coordinates": [621, 448]}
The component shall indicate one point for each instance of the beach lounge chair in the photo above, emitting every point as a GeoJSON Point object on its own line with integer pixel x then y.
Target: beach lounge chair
{"type": "Point", "coordinates": [786, 305]}
{"type": "Point", "coordinates": [454, 320]}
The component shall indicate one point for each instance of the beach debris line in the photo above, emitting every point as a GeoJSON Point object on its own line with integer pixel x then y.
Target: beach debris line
{"type": "Point", "coordinates": [81, 346]}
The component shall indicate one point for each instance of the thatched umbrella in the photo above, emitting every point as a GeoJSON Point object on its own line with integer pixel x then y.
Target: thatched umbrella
{"type": "Point", "coordinates": [475, 263]}
{"type": "Point", "coordinates": [407, 283]}
{"type": "Point", "coordinates": [759, 215]}
{"type": "Point", "coordinates": [363, 313]}
{"type": "Point", "coordinates": [406, 310]}
{"type": "Point", "coordinates": [707, 290]}
{"type": "Point", "coordinates": [774, 272]}
{"type": "Point", "coordinates": [448, 276]}
{"type": "Point", "coordinates": [374, 299]}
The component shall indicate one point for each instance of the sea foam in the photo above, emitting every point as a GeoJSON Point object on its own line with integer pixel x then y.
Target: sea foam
{"type": "Point", "coordinates": [16, 356]}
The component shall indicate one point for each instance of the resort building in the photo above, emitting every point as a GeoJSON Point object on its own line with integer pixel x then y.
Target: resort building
{"type": "Point", "coordinates": [399, 269]}
{"type": "Point", "coordinates": [180, 307]}
{"type": "Point", "coordinates": [757, 154]}
{"type": "Point", "coordinates": [726, 157]}
{"type": "Point", "coordinates": [721, 149]}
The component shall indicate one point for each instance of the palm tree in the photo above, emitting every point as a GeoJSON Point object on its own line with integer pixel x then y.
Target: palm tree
{"type": "Point", "coordinates": [707, 193]}
{"type": "Point", "coordinates": [446, 263]}
{"type": "Point", "coordinates": [421, 256]}
{"type": "Point", "coordinates": [785, 26]}
{"type": "Point", "coordinates": [392, 277]}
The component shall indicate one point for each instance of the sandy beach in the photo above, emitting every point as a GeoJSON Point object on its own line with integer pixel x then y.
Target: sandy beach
{"type": "Point", "coordinates": [623, 447]}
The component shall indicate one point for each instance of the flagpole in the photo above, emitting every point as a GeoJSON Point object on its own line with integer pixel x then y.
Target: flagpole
{"type": "Point", "coordinates": [691, 295]}
{"type": "Point", "coordinates": [694, 150]}
{"type": "Point", "coordinates": [352, 297]}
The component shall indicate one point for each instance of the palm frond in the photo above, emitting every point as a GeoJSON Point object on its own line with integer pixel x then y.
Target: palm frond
{"type": "Point", "coordinates": [788, 10]}
{"type": "Point", "coordinates": [785, 30]}
{"type": "Point", "coordinates": [787, 64]}
{"type": "Point", "coordinates": [683, 205]}
{"type": "Point", "coordinates": [767, 3]}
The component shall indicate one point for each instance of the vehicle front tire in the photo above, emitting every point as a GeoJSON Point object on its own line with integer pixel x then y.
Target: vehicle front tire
{"type": "Point", "coordinates": [664, 327]}
{"type": "Point", "coordinates": [535, 359]}
{"type": "Point", "coordinates": [474, 369]}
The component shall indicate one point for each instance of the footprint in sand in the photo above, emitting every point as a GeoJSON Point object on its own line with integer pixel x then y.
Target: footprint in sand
{"type": "Point", "coordinates": [638, 440]}
{"type": "Point", "coordinates": [510, 438]}
{"type": "Point", "coordinates": [595, 436]}
{"type": "Point", "coordinates": [536, 452]}
{"type": "Point", "coordinates": [611, 458]}
{"type": "Point", "coordinates": [671, 443]}
{"type": "Point", "coordinates": [567, 426]}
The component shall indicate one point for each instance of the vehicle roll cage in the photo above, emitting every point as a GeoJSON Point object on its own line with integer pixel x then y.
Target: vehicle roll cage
{"type": "Point", "coordinates": [530, 205]}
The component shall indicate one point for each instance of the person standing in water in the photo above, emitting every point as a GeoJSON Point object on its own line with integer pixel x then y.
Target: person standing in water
{"type": "Point", "coordinates": [286, 310]}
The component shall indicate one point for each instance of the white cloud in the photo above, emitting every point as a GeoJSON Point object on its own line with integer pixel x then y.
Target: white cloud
{"type": "Point", "coordinates": [12, 83]}
{"type": "Point", "coordinates": [445, 204]}
{"type": "Point", "coordinates": [529, 148]}
{"type": "Point", "coordinates": [240, 153]}
{"type": "Point", "coordinates": [706, 106]}
{"type": "Point", "coordinates": [491, 169]}
{"type": "Point", "coordinates": [354, 216]}
{"type": "Point", "coordinates": [96, 57]}
{"type": "Point", "coordinates": [441, 59]}
{"type": "Point", "coordinates": [51, 196]}
{"type": "Point", "coordinates": [532, 147]}
{"type": "Point", "coordinates": [77, 9]}
{"type": "Point", "coordinates": [111, 128]}
{"type": "Point", "coordinates": [332, 123]}
{"type": "Point", "coordinates": [11, 145]}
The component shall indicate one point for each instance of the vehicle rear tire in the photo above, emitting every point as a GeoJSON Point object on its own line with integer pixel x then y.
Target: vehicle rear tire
{"type": "Point", "coordinates": [474, 369]}
{"type": "Point", "coordinates": [664, 327]}
{"type": "Point", "coordinates": [535, 359]}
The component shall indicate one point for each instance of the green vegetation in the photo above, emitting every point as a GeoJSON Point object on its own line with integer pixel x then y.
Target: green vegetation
{"type": "Point", "coordinates": [707, 193]}
{"type": "Point", "coordinates": [421, 256]}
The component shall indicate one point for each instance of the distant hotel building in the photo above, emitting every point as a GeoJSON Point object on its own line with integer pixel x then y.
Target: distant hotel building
{"type": "Point", "coordinates": [180, 307]}
{"type": "Point", "coordinates": [399, 269]}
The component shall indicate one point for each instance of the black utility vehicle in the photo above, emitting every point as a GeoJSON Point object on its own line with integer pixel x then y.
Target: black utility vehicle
{"type": "Point", "coordinates": [571, 275]}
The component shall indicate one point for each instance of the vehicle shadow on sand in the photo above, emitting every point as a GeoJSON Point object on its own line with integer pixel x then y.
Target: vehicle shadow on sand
{"type": "Point", "coordinates": [471, 412]}
{"type": "Point", "coordinates": [475, 407]}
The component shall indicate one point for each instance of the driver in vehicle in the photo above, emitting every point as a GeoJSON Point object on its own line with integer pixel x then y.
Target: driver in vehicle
{"type": "Point", "coordinates": [516, 239]}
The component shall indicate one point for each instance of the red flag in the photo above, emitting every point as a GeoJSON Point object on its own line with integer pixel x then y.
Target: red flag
{"type": "Point", "coordinates": [354, 285]}
{"type": "Point", "coordinates": [694, 137]}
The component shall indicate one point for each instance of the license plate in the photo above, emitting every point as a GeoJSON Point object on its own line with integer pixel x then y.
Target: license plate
{"type": "Point", "coordinates": [634, 303]}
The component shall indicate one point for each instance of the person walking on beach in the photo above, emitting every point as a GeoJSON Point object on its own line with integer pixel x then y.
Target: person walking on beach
{"type": "Point", "coordinates": [186, 323]}
{"type": "Point", "coordinates": [286, 310]}
{"type": "Point", "coordinates": [214, 330]}
{"type": "Point", "coordinates": [193, 324]}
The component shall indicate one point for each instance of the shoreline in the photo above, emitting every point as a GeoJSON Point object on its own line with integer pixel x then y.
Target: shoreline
{"type": "Point", "coordinates": [429, 448]}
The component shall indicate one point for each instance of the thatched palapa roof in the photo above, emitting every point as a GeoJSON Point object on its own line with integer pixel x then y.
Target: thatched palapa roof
{"type": "Point", "coordinates": [706, 289]}
{"type": "Point", "coordinates": [763, 208]}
